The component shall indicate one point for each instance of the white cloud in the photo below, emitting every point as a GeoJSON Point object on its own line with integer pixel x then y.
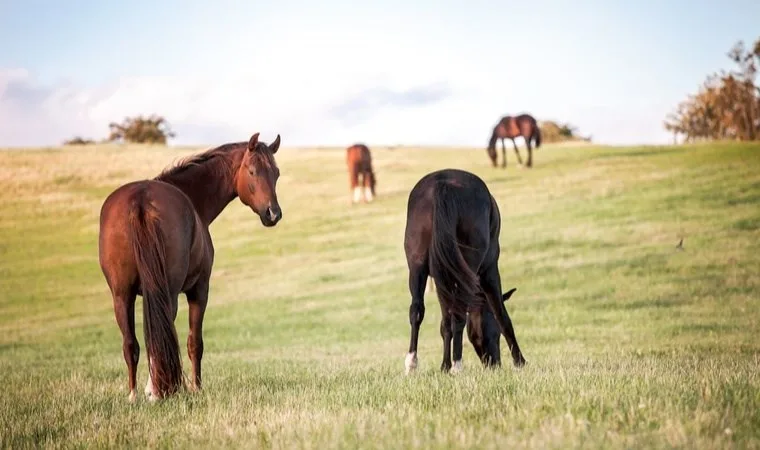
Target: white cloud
{"type": "Point", "coordinates": [306, 102]}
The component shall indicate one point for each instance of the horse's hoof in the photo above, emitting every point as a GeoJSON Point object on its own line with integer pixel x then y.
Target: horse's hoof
{"type": "Point", "coordinates": [457, 367]}
{"type": "Point", "coordinates": [410, 363]}
{"type": "Point", "coordinates": [132, 396]}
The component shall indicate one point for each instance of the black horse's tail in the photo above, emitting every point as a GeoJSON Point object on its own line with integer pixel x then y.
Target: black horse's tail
{"type": "Point", "coordinates": [457, 284]}
{"type": "Point", "coordinates": [537, 135]}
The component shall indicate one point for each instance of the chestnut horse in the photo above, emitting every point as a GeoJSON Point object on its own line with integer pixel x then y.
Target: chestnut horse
{"type": "Point", "coordinates": [510, 127]}
{"type": "Point", "coordinates": [452, 233]}
{"type": "Point", "coordinates": [359, 162]}
{"type": "Point", "coordinates": [154, 242]}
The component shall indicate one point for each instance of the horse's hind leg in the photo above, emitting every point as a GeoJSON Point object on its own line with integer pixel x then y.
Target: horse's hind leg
{"type": "Point", "coordinates": [367, 182]}
{"type": "Point", "coordinates": [354, 182]}
{"type": "Point", "coordinates": [530, 153]}
{"type": "Point", "coordinates": [124, 310]}
{"type": "Point", "coordinates": [446, 335]}
{"type": "Point", "coordinates": [490, 281]}
{"type": "Point", "coordinates": [417, 277]}
{"type": "Point", "coordinates": [197, 298]}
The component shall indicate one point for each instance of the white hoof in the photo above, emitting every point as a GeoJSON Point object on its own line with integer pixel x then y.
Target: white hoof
{"type": "Point", "coordinates": [132, 396]}
{"type": "Point", "coordinates": [357, 194]}
{"type": "Point", "coordinates": [457, 367]}
{"type": "Point", "coordinates": [410, 363]}
{"type": "Point", "coordinates": [368, 195]}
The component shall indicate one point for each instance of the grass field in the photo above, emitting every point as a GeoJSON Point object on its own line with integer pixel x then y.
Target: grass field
{"type": "Point", "coordinates": [629, 342]}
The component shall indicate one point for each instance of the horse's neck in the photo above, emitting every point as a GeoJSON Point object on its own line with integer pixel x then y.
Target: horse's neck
{"type": "Point", "coordinates": [210, 187]}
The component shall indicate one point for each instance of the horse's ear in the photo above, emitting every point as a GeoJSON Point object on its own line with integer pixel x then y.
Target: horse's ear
{"type": "Point", "coordinates": [253, 141]}
{"type": "Point", "coordinates": [508, 294]}
{"type": "Point", "coordinates": [275, 145]}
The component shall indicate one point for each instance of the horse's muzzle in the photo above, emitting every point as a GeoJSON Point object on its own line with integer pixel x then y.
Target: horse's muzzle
{"type": "Point", "coordinates": [271, 216]}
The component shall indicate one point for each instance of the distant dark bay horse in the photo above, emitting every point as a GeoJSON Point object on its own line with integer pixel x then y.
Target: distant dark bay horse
{"type": "Point", "coordinates": [359, 162]}
{"type": "Point", "coordinates": [510, 127]}
{"type": "Point", "coordinates": [155, 242]}
{"type": "Point", "coordinates": [452, 233]}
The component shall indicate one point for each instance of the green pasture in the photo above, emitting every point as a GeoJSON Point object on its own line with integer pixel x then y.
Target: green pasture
{"type": "Point", "coordinates": [630, 342]}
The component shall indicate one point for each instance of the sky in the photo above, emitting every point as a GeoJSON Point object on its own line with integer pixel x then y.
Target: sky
{"type": "Point", "coordinates": [335, 72]}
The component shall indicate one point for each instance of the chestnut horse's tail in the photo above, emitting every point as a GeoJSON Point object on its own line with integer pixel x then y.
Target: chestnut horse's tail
{"type": "Point", "coordinates": [158, 321]}
{"type": "Point", "coordinates": [457, 284]}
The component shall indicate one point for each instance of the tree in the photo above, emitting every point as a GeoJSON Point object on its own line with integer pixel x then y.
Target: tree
{"type": "Point", "coordinates": [559, 132]}
{"type": "Point", "coordinates": [727, 105]}
{"type": "Point", "coordinates": [77, 140]}
{"type": "Point", "coordinates": [151, 130]}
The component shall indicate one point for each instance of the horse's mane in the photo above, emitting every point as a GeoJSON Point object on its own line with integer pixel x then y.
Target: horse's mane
{"type": "Point", "coordinates": [199, 159]}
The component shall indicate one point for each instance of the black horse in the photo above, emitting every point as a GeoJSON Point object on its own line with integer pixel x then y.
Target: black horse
{"type": "Point", "coordinates": [452, 234]}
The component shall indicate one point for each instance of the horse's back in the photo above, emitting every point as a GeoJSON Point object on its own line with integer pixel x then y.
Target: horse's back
{"type": "Point", "coordinates": [175, 219]}
{"type": "Point", "coordinates": [359, 157]}
{"type": "Point", "coordinates": [469, 195]}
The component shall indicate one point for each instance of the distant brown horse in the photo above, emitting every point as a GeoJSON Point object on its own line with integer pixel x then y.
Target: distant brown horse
{"type": "Point", "coordinates": [452, 233]}
{"type": "Point", "coordinates": [359, 162]}
{"type": "Point", "coordinates": [155, 242]}
{"type": "Point", "coordinates": [510, 127]}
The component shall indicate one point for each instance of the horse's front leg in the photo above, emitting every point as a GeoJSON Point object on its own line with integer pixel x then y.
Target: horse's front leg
{"type": "Point", "coordinates": [457, 331]}
{"type": "Point", "coordinates": [503, 154]}
{"type": "Point", "coordinates": [517, 152]}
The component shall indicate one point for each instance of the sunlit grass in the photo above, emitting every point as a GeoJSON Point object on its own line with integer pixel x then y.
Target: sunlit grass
{"type": "Point", "coordinates": [629, 341]}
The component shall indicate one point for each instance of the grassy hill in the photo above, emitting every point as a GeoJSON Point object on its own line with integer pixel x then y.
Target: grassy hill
{"type": "Point", "coordinates": [629, 341]}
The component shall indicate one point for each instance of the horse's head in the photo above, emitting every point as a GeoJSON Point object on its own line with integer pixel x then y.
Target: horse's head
{"type": "Point", "coordinates": [257, 179]}
{"type": "Point", "coordinates": [491, 149]}
{"type": "Point", "coordinates": [486, 338]}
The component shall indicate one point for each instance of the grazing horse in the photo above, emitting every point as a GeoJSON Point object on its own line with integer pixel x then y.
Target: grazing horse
{"type": "Point", "coordinates": [452, 233]}
{"type": "Point", "coordinates": [359, 162]}
{"type": "Point", "coordinates": [154, 242]}
{"type": "Point", "coordinates": [511, 127]}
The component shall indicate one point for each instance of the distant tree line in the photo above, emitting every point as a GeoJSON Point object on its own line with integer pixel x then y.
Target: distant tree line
{"type": "Point", "coordinates": [727, 105]}
{"type": "Point", "coordinates": [139, 130]}
{"type": "Point", "coordinates": [559, 132]}
{"type": "Point", "coordinates": [156, 130]}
